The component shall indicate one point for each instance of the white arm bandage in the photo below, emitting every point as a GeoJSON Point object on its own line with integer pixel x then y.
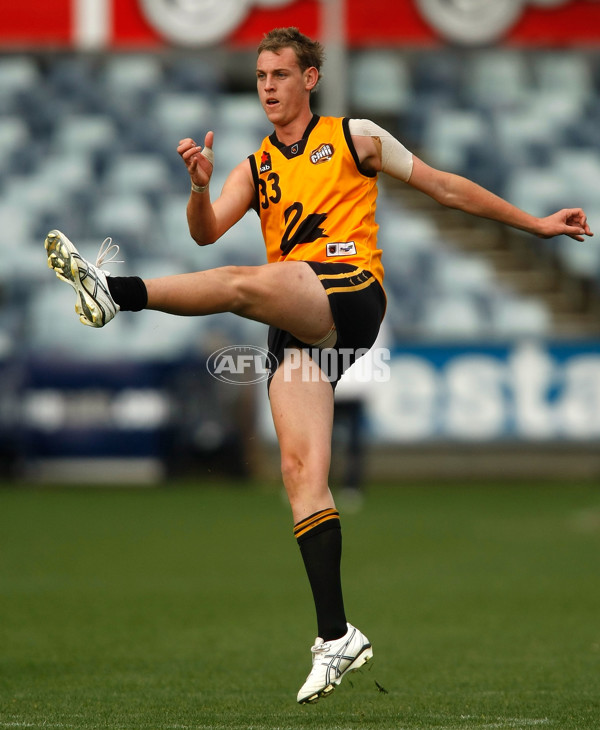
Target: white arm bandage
{"type": "Point", "coordinates": [396, 160]}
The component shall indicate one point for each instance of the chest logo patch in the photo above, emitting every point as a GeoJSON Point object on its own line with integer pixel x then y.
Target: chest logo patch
{"type": "Point", "coordinates": [347, 248]}
{"type": "Point", "coordinates": [323, 153]}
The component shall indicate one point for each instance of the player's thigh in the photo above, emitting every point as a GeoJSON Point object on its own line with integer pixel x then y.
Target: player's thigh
{"type": "Point", "coordinates": [289, 296]}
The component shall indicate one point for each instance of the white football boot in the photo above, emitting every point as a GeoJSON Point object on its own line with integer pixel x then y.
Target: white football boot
{"type": "Point", "coordinates": [95, 305]}
{"type": "Point", "coordinates": [332, 660]}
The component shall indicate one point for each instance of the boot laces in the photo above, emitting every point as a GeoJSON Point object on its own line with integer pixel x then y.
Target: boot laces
{"type": "Point", "coordinates": [108, 253]}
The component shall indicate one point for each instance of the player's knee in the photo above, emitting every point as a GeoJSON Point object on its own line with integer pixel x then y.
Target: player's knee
{"type": "Point", "coordinates": [244, 286]}
{"type": "Point", "coordinates": [293, 470]}
{"type": "Point", "coordinates": [300, 473]}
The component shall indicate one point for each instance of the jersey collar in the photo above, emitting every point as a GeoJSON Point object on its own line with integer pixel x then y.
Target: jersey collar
{"type": "Point", "coordinates": [296, 148]}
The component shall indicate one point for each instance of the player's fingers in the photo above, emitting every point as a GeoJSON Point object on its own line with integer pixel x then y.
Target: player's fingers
{"type": "Point", "coordinates": [585, 225]}
{"type": "Point", "coordinates": [577, 223]}
{"type": "Point", "coordinates": [575, 232]}
{"type": "Point", "coordinates": [190, 154]}
{"type": "Point", "coordinates": [185, 144]}
{"type": "Point", "coordinates": [578, 216]}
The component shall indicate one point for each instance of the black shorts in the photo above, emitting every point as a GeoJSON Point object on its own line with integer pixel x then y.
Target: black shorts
{"type": "Point", "coordinates": [357, 303]}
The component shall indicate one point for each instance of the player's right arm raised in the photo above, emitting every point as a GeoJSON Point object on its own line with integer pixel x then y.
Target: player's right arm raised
{"type": "Point", "coordinates": [207, 220]}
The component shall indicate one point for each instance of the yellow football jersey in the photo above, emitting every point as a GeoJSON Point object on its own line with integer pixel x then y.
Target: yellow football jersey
{"type": "Point", "coordinates": [314, 200]}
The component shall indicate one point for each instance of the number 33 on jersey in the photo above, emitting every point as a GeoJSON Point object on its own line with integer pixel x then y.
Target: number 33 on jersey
{"type": "Point", "coordinates": [312, 204]}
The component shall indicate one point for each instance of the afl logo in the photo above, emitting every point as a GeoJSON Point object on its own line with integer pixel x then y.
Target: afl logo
{"type": "Point", "coordinates": [241, 364]}
{"type": "Point", "coordinates": [323, 153]}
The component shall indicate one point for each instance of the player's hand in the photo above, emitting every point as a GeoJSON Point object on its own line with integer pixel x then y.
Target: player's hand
{"type": "Point", "coordinates": [569, 222]}
{"type": "Point", "coordinates": [198, 160]}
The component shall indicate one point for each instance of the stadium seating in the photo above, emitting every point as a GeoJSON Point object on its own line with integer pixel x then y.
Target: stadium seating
{"type": "Point", "coordinates": [19, 74]}
{"type": "Point", "coordinates": [450, 134]}
{"type": "Point", "coordinates": [380, 83]}
{"type": "Point", "coordinates": [498, 79]}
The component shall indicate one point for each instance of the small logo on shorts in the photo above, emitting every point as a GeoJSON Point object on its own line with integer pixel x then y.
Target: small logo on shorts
{"type": "Point", "coordinates": [241, 364]}
{"type": "Point", "coordinates": [341, 249]}
{"type": "Point", "coordinates": [323, 153]}
{"type": "Point", "coordinates": [265, 162]}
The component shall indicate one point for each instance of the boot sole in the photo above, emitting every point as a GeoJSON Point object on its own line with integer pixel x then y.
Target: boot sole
{"type": "Point", "coordinates": [64, 264]}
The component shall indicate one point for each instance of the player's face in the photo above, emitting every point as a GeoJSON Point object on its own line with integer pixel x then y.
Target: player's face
{"type": "Point", "coordinates": [283, 89]}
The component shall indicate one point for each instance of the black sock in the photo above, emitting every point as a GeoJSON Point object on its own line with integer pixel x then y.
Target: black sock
{"type": "Point", "coordinates": [129, 292]}
{"type": "Point", "coordinates": [320, 539]}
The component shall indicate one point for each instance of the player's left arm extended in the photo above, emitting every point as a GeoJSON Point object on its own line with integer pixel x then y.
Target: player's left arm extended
{"type": "Point", "coordinates": [458, 192]}
{"type": "Point", "coordinates": [380, 151]}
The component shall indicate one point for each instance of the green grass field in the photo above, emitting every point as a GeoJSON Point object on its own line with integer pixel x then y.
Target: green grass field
{"type": "Point", "coordinates": [187, 607]}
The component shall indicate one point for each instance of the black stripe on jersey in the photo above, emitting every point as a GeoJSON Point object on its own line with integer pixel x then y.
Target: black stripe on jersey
{"type": "Point", "coordinates": [255, 202]}
{"type": "Point", "coordinates": [352, 148]}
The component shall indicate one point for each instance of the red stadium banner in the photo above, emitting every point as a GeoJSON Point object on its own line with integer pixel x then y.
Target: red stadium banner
{"type": "Point", "coordinates": [146, 24]}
